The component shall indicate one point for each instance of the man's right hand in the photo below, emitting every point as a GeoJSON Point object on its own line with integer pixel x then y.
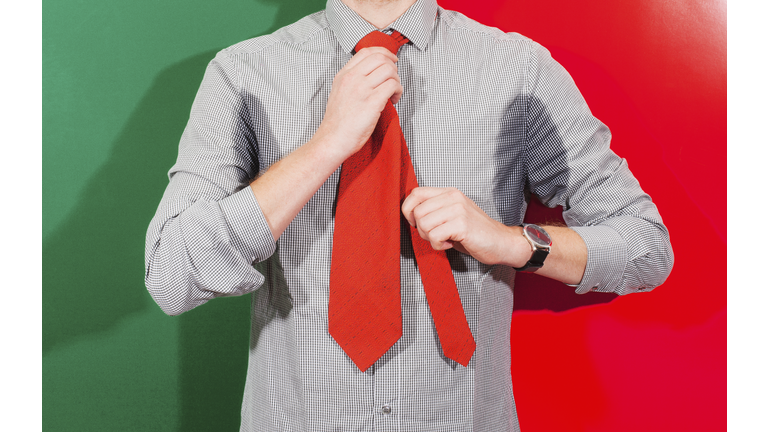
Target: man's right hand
{"type": "Point", "coordinates": [360, 91]}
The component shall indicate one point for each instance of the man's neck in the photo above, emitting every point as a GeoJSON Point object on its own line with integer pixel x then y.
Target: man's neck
{"type": "Point", "coordinates": [380, 13]}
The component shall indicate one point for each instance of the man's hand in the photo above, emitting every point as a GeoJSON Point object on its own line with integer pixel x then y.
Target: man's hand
{"type": "Point", "coordinates": [446, 218]}
{"type": "Point", "coordinates": [360, 91]}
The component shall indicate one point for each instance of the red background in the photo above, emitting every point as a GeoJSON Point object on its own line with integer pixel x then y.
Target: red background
{"type": "Point", "coordinates": [655, 72]}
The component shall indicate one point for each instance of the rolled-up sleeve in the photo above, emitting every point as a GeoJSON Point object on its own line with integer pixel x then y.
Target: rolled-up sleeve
{"type": "Point", "coordinates": [570, 164]}
{"type": "Point", "coordinates": [209, 229]}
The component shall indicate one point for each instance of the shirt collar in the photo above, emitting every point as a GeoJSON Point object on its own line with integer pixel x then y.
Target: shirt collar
{"type": "Point", "coordinates": [349, 27]}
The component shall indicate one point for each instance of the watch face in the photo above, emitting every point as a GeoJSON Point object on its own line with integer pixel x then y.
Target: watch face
{"type": "Point", "coordinates": [538, 235]}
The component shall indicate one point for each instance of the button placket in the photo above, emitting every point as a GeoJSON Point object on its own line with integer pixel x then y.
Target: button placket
{"type": "Point", "coordinates": [386, 391]}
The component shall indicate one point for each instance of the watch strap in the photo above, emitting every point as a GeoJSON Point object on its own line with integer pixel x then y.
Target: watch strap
{"type": "Point", "coordinates": [536, 261]}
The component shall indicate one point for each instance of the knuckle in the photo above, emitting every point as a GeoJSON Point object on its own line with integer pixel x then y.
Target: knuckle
{"type": "Point", "coordinates": [344, 79]}
{"type": "Point", "coordinates": [462, 225]}
{"type": "Point", "coordinates": [377, 56]}
{"type": "Point", "coordinates": [458, 208]}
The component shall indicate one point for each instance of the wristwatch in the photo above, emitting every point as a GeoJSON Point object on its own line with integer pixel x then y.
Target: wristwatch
{"type": "Point", "coordinates": [541, 243]}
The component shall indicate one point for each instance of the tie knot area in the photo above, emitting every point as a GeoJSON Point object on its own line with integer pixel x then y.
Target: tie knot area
{"type": "Point", "coordinates": [391, 42]}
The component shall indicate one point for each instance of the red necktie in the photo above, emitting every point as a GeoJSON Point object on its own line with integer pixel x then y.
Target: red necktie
{"type": "Point", "coordinates": [364, 310]}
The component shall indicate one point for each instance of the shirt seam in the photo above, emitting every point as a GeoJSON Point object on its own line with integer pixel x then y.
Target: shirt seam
{"type": "Point", "coordinates": [251, 120]}
{"type": "Point", "coordinates": [451, 24]}
{"type": "Point", "coordinates": [527, 95]}
{"type": "Point", "coordinates": [231, 51]}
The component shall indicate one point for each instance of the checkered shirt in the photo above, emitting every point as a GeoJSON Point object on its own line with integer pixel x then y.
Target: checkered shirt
{"type": "Point", "coordinates": [487, 112]}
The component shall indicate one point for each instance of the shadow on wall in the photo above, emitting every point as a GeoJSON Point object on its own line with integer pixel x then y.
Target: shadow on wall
{"type": "Point", "coordinates": [92, 274]}
{"type": "Point", "coordinates": [93, 263]}
{"type": "Point", "coordinates": [534, 292]}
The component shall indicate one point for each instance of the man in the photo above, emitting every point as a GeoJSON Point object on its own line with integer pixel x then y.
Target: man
{"type": "Point", "coordinates": [488, 118]}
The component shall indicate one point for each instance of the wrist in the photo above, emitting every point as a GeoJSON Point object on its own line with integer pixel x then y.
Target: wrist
{"type": "Point", "coordinates": [516, 249]}
{"type": "Point", "coordinates": [334, 144]}
{"type": "Point", "coordinates": [328, 148]}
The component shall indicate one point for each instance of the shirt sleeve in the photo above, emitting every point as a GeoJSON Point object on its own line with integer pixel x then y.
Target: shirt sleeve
{"type": "Point", "coordinates": [570, 164]}
{"type": "Point", "coordinates": [209, 229]}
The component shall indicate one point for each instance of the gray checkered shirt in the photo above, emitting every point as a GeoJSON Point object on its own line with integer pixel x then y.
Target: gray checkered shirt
{"type": "Point", "coordinates": [487, 112]}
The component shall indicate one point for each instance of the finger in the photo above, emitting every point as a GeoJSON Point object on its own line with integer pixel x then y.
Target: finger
{"type": "Point", "coordinates": [386, 70]}
{"type": "Point", "coordinates": [444, 236]}
{"type": "Point", "coordinates": [382, 73]}
{"type": "Point", "coordinates": [416, 197]}
{"type": "Point", "coordinates": [448, 197]}
{"type": "Point", "coordinates": [386, 90]}
{"type": "Point", "coordinates": [437, 244]}
{"type": "Point", "coordinates": [440, 216]}
{"type": "Point", "coordinates": [441, 227]}
{"type": "Point", "coordinates": [361, 57]}
{"type": "Point", "coordinates": [374, 65]}
{"type": "Point", "coordinates": [423, 234]}
{"type": "Point", "coordinates": [365, 53]}
{"type": "Point", "coordinates": [369, 74]}
{"type": "Point", "coordinates": [460, 247]}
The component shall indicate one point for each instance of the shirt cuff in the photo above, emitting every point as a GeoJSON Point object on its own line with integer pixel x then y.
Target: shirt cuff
{"type": "Point", "coordinates": [606, 258]}
{"type": "Point", "coordinates": [248, 228]}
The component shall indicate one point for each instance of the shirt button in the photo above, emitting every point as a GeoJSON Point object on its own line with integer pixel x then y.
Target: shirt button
{"type": "Point", "coordinates": [386, 409]}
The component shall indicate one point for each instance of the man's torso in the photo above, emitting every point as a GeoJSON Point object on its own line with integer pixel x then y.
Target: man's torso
{"type": "Point", "coordinates": [463, 116]}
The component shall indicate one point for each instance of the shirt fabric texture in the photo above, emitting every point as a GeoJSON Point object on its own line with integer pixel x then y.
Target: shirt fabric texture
{"type": "Point", "coordinates": [487, 112]}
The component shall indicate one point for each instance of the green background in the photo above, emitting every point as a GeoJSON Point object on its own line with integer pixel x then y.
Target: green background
{"type": "Point", "coordinates": [118, 82]}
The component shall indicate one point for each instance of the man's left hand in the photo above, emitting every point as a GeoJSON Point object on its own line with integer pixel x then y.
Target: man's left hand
{"type": "Point", "coordinates": [446, 218]}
